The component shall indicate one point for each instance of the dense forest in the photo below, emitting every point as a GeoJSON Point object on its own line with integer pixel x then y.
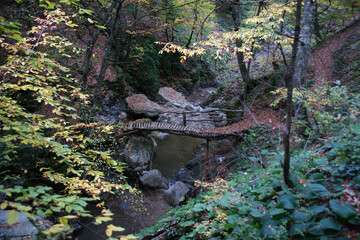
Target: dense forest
{"type": "Point", "coordinates": [90, 89]}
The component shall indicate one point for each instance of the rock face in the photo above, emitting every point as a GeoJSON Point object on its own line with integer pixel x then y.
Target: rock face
{"type": "Point", "coordinates": [176, 192]}
{"type": "Point", "coordinates": [173, 97]}
{"type": "Point", "coordinates": [22, 229]}
{"type": "Point", "coordinates": [154, 179]}
{"type": "Point", "coordinates": [140, 104]}
{"type": "Point", "coordinates": [138, 153]}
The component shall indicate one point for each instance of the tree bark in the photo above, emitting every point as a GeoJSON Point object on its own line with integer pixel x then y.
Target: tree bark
{"type": "Point", "coordinates": [289, 83]}
{"type": "Point", "coordinates": [302, 60]}
{"type": "Point", "coordinates": [238, 43]}
{"type": "Point", "coordinates": [305, 43]}
{"type": "Point", "coordinates": [104, 65]}
{"type": "Point", "coordinates": [91, 44]}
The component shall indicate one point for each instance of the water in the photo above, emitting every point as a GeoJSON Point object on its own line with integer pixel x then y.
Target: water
{"type": "Point", "coordinates": [174, 152]}
{"type": "Point", "coordinates": [137, 212]}
{"type": "Point", "coordinates": [133, 213]}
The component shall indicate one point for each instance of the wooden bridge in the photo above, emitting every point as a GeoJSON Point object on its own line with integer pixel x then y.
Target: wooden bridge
{"type": "Point", "coordinates": [207, 133]}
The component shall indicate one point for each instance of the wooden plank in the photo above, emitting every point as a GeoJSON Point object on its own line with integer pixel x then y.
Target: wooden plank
{"type": "Point", "coordinates": [178, 130]}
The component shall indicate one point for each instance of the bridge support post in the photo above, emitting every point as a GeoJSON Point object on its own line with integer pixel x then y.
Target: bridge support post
{"type": "Point", "coordinates": [207, 149]}
{"type": "Point", "coordinates": [184, 119]}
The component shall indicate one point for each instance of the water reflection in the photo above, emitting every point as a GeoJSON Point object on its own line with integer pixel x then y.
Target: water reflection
{"type": "Point", "coordinates": [174, 152]}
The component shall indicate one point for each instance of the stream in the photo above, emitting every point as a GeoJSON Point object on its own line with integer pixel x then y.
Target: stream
{"type": "Point", "coordinates": [140, 211]}
{"type": "Point", "coordinates": [136, 212]}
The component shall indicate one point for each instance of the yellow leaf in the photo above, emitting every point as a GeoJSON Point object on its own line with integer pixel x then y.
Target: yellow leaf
{"type": "Point", "coordinates": [12, 217]}
{"type": "Point", "coordinates": [108, 232]}
{"type": "Point", "coordinates": [90, 21]}
{"type": "Point", "coordinates": [4, 205]}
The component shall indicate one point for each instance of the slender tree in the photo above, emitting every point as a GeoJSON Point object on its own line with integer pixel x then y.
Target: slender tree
{"type": "Point", "coordinates": [289, 83]}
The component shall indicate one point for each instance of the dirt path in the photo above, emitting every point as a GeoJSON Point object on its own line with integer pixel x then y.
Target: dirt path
{"type": "Point", "coordinates": [322, 58]}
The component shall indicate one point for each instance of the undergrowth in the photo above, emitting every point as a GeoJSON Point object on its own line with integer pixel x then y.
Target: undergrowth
{"type": "Point", "coordinates": [255, 203]}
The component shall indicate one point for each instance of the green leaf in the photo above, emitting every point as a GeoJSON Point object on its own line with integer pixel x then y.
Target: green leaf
{"type": "Point", "coordinates": [232, 218]}
{"type": "Point", "coordinates": [300, 217]}
{"type": "Point", "coordinates": [12, 217]}
{"type": "Point", "coordinates": [199, 207]}
{"type": "Point", "coordinates": [30, 215]}
{"type": "Point", "coordinates": [41, 213]}
{"type": "Point", "coordinates": [69, 208]}
{"type": "Point", "coordinates": [315, 190]}
{"type": "Point", "coordinates": [316, 209]}
{"type": "Point", "coordinates": [327, 227]}
{"type": "Point", "coordinates": [256, 213]}
{"type": "Point", "coordinates": [343, 210]}
{"type": "Point", "coordinates": [277, 211]}
{"type": "Point", "coordinates": [32, 195]}
{"type": "Point", "coordinates": [299, 228]}
{"type": "Point", "coordinates": [288, 201]}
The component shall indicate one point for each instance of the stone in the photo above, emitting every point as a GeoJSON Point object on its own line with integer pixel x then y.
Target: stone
{"type": "Point", "coordinates": [22, 229]}
{"type": "Point", "coordinates": [176, 192]}
{"type": "Point", "coordinates": [173, 97]}
{"type": "Point", "coordinates": [162, 136]}
{"type": "Point", "coordinates": [154, 179]}
{"type": "Point", "coordinates": [219, 118]}
{"type": "Point", "coordinates": [140, 104]}
{"type": "Point", "coordinates": [185, 175]}
{"type": "Point", "coordinates": [138, 153]}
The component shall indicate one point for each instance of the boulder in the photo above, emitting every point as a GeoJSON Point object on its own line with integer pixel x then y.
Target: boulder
{"type": "Point", "coordinates": [138, 153]}
{"type": "Point", "coordinates": [154, 179]}
{"type": "Point", "coordinates": [176, 192]}
{"type": "Point", "coordinates": [21, 229]}
{"type": "Point", "coordinates": [173, 97]}
{"type": "Point", "coordinates": [140, 104]}
{"type": "Point", "coordinates": [185, 175]}
{"type": "Point", "coordinates": [162, 136]}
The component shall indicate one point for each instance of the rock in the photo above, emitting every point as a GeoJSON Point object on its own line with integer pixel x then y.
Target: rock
{"type": "Point", "coordinates": [176, 192]}
{"type": "Point", "coordinates": [185, 175]}
{"type": "Point", "coordinates": [219, 118]}
{"type": "Point", "coordinates": [22, 229]}
{"type": "Point", "coordinates": [138, 153]}
{"type": "Point", "coordinates": [123, 117]}
{"type": "Point", "coordinates": [153, 178]}
{"type": "Point", "coordinates": [162, 136]}
{"type": "Point", "coordinates": [173, 97]}
{"type": "Point", "coordinates": [140, 104]}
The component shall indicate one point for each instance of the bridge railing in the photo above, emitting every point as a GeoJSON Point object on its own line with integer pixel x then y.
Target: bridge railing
{"type": "Point", "coordinates": [185, 113]}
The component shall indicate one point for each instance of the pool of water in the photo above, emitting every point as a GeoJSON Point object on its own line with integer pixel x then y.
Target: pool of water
{"type": "Point", "coordinates": [174, 152]}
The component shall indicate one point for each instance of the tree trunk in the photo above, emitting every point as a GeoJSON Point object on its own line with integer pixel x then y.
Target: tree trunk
{"type": "Point", "coordinates": [289, 82]}
{"type": "Point", "coordinates": [317, 25]}
{"type": "Point", "coordinates": [302, 60]}
{"type": "Point", "coordinates": [104, 65]}
{"type": "Point", "coordinates": [91, 44]}
{"type": "Point", "coordinates": [193, 25]}
{"type": "Point", "coordinates": [305, 43]}
{"type": "Point", "coordinates": [240, 55]}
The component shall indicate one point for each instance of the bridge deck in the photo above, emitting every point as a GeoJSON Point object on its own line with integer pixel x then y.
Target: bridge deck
{"type": "Point", "coordinates": [213, 133]}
